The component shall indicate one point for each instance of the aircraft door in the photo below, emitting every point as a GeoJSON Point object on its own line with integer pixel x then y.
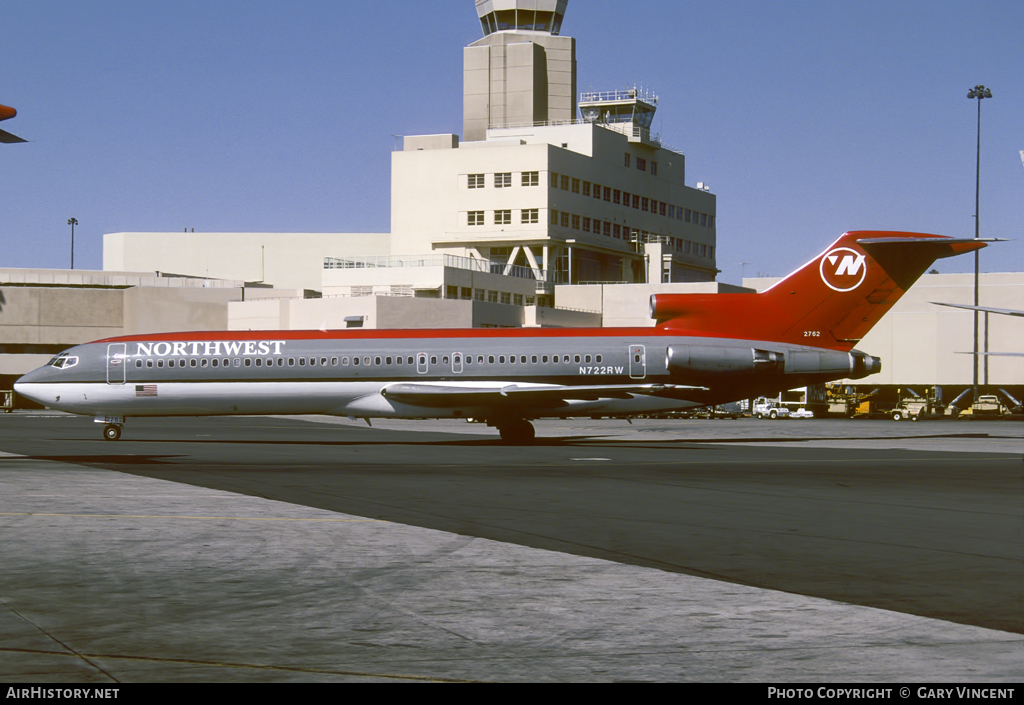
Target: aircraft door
{"type": "Point", "coordinates": [637, 362]}
{"type": "Point", "coordinates": [117, 362]}
{"type": "Point", "coordinates": [457, 363]}
{"type": "Point", "coordinates": [421, 363]}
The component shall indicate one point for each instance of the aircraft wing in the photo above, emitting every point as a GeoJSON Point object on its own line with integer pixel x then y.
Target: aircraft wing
{"type": "Point", "coordinates": [541, 396]}
{"type": "Point", "coordinates": [8, 138]}
{"type": "Point", "coordinates": [998, 354]}
{"type": "Point", "coordinates": [988, 309]}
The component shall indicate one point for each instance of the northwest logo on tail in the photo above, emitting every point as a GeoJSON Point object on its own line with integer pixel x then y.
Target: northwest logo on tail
{"type": "Point", "coordinates": [843, 269]}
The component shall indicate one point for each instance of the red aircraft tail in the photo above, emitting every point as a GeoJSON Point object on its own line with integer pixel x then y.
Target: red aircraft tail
{"type": "Point", "coordinates": [830, 302]}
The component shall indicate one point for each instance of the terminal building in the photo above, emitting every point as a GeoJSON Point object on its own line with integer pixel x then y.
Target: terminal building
{"type": "Point", "coordinates": [540, 186]}
{"type": "Point", "coordinates": [553, 208]}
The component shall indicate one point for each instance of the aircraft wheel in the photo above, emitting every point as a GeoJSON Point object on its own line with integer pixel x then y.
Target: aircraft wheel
{"type": "Point", "coordinates": [111, 432]}
{"type": "Point", "coordinates": [518, 432]}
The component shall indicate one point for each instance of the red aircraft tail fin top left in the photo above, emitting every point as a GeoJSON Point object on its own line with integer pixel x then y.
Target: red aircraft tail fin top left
{"type": "Point", "coordinates": [6, 113]}
{"type": "Point", "coordinates": [830, 302]}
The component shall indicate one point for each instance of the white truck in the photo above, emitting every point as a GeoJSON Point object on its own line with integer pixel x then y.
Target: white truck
{"type": "Point", "coordinates": [773, 409]}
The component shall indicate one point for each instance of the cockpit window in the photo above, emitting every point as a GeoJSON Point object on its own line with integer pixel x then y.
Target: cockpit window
{"type": "Point", "coordinates": [63, 361]}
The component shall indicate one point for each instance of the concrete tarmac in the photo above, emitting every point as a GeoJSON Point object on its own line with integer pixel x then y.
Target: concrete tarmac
{"type": "Point", "coordinates": [300, 549]}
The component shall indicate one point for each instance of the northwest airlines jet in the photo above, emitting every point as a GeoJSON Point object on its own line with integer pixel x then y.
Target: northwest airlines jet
{"type": "Point", "coordinates": [705, 349]}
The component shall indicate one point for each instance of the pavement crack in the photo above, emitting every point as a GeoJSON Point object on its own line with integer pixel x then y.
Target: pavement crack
{"type": "Point", "coordinates": [53, 638]}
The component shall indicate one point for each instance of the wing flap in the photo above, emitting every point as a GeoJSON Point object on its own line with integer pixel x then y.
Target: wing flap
{"type": "Point", "coordinates": [546, 396]}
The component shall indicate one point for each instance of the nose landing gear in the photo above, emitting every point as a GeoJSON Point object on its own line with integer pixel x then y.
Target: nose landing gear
{"type": "Point", "coordinates": [111, 432]}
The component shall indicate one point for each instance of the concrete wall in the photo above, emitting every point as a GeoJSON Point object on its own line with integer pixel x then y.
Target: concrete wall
{"type": "Point", "coordinates": [511, 77]}
{"type": "Point", "coordinates": [382, 312]}
{"type": "Point", "coordinates": [289, 260]}
{"type": "Point", "coordinates": [37, 322]}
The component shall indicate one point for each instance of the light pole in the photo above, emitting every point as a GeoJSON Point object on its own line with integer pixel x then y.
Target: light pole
{"type": "Point", "coordinates": [72, 222]}
{"type": "Point", "coordinates": [979, 92]}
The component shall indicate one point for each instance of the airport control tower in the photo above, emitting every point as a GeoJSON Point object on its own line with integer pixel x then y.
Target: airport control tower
{"type": "Point", "coordinates": [521, 72]}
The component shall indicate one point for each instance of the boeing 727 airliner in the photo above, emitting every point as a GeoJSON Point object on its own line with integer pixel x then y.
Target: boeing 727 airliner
{"type": "Point", "coordinates": [704, 349]}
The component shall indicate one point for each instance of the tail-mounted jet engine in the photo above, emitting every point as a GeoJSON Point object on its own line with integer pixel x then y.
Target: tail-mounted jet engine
{"type": "Point", "coordinates": [699, 363]}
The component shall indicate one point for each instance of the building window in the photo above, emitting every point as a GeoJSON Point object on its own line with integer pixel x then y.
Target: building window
{"type": "Point", "coordinates": [641, 164]}
{"type": "Point", "coordinates": [627, 159]}
{"type": "Point", "coordinates": [618, 231]}
{"type": "Point", "coordinates": [608, 228]}
{"type": "Point", "coordinates": [607, 193]}
{"type": "Point", "coordinates": [575, 185]}
{"type": "Point", "coordinates": [661, 208]}
{"type": "Point", "coordinates": [564, 219]}
{"type": "Point", "coordinates": [618, 196]}
{"type": "Point", "coordinates": [503, 180]}
{"type": "Point", "coordinates": [531, 178]}
{"type": "Point", "coordinates": [554, 217]}
{"type": "Point", "coordinates": [704, 219]}
{"type": "Point", "coordinates": [478, 295]}
{"type": "Point", "coordinates": [711, 221]}
{"type": "Point", "coordinates": [654, 168]}
{"type": "Point", "coordinates": [476, 217]}
{"type": "Point", "coordinates": [503, 217]}
{"type": "Point", "coordinates": [517, 299]}
{"type": "Point", "coordinates": [554, 180]}
{"type": "Point", "coordinates": [476, 180]}
{"type": "Point", "coordinates": [492, 296]}
{"type": "Point", "coordinates": [531, 215]}
{"type": "Point", "coordinates": [506, 297]}
{"type": "Point", "coordinates": [466, 293]}
{"type": "Point", "coordinates": [645, 203]}
{"type": "Point", "coordinates": [586, 188]}
{"type": "Point", "coordinates": [565, 182]}
{"type": "Point", "coordinates": [586, 225]}
{"type": "Point", "coordinates": [451, 292]}
{"type": "Point", "coordinates": [575, 222]}
{"type": "Point", "coordinates": [636, 200]}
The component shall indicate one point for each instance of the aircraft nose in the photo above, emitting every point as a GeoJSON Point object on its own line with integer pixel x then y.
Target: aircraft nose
{"type": "Point", "coordinates": [28, 385]}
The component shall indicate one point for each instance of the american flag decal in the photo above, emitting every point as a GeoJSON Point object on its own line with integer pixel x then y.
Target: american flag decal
{"type": "Point", "coordinates": [145, 390]}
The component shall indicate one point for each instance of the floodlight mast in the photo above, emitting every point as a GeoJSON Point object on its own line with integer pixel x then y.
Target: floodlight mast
{"type": "Point", "coordinates": [979, 93]}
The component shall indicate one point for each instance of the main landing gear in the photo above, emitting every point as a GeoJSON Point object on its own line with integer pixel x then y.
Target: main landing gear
{"type": "Point", "coordinates": [112, 432]}
{"type": "Point", "coordinates": [516, 431]}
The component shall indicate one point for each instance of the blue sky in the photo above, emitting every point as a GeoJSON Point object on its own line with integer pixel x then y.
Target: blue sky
{"type": "Point", "coordinates": [806, 119]}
